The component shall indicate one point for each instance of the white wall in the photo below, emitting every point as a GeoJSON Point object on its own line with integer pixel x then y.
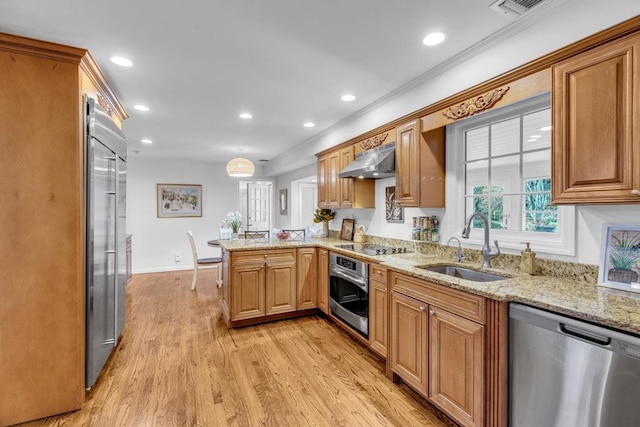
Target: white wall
{"type": "Point", "coordinates": [571, 22]}
{"type": "Point", "coordinates": [156, 240]}
{"type": "Point", "coordinates": [523, 43]}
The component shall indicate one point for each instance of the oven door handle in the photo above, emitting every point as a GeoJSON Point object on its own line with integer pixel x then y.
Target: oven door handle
{"type": "Point", "coordinates": [358, 281]}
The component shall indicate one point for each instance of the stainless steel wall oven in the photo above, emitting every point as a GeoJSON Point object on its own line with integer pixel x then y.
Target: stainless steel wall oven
{"type": "Point", "coordinates": [349, 291]}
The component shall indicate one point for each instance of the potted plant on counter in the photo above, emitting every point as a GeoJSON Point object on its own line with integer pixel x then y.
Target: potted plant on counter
{"type": "Point", "coordinates": [233, 220]}
{"type": "Point", "coordinates": [324, 216]}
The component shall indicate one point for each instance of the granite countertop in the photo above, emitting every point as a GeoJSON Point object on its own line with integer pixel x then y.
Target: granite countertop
{"type": "Point", "coordinates": [582, 300]}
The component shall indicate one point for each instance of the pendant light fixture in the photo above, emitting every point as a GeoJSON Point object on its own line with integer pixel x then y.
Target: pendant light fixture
{"type": "Point", "coordinates": [240, 167]}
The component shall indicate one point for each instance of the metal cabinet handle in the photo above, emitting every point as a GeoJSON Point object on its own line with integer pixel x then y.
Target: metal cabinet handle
{"type": "Point", "coordinates": [635, 192]}
{"type": "Point", "coordinates": [422, 308]}
{"type": "Point", "coordinates": [432, 313]}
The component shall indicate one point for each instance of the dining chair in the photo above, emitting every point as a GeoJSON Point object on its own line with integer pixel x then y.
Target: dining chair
{"type": "Point", "coordinates": [203, 263]}
{"type": "Point", "coordinates": [257, 234]}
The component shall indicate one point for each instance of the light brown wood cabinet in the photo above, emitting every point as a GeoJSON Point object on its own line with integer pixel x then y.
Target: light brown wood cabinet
{"type": "Point", "coordinates": [596, 125]}
{"type": "Point", "coordinates": [437, 345]}
{"type": "Point", "coordinates": [409, 341]}
{"type": "Point", "coordinates": [323, 280]}
{"type": "Point", "coordinates": [378, 310]}
{"type": "Point", "coordinates": [42, 307]}
{"type": "Point", "coordinates": [307, 278]}
{"type": "Point", "coordinates": [262, 283]}
{"type": "Point", "coordinates": [335, 192]}
{"type": "Point", "coordinates": [456, 366]}
{"type": "Point", "coordinates": [420, 166]}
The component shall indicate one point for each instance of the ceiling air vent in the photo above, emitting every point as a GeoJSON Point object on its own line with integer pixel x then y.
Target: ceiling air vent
{"type": "Point", "coordinates": [515, 7]}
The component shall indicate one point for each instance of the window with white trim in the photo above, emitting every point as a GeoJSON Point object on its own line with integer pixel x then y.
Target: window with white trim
{"type": "Point", "coordinates": [503, 166]}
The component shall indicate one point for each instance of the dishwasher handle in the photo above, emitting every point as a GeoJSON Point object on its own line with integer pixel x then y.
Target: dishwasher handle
{"type": "Point", "coordinates": [585, 335]}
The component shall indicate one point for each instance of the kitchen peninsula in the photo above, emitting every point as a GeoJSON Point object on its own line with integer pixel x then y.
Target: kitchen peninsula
{"type": "Point", "coordinates": [272, 280]}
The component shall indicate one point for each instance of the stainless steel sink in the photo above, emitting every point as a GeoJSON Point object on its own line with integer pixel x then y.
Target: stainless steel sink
{"type": "Point", "coordinates": [464, 273]}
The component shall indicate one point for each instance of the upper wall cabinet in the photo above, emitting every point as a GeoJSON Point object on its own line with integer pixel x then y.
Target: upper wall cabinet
{"type": "Point", "coordinates": [420, 166]}
{"type": "Point", "coordinates": [596, 125]}
{"type": "Point", "coordinates": [345, 193]}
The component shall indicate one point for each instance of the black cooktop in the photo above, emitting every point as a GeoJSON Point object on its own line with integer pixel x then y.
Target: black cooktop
{"type": "Point", "coordinates": [371, 249]}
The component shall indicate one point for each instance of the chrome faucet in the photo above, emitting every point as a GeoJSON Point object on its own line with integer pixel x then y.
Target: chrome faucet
{"type": "Point", "coordinates": [487, 255]}
{"type": "Point", "coordinates": [458, 255]}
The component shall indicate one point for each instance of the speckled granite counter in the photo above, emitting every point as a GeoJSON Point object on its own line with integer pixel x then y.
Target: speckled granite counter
{"type": "Point", "coordinates": [580, 299]}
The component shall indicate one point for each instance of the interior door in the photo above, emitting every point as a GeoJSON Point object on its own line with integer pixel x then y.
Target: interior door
{"type": "Point", "coordinates": [258, 206]}
{"type": "Point", "coordinates": [307, 196]}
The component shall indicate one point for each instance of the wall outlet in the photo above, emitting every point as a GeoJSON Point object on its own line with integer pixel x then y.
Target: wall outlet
{"type": "Point", "coordinates": [178, 257]}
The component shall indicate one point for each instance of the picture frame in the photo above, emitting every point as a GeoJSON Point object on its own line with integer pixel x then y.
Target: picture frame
{"type": "Point", "coordinates": [283, 202]}
{"type": "Point", "coordinates": [348, 224]}
{"type": "Point", "coordinates": [179, 200]}
{"type": "Point", "coordinates": [393, 212]}
{"type": "Point", "coordinates": [620, 257]}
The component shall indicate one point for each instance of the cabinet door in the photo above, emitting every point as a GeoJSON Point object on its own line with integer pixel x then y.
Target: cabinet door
{"type": "Point", "coordinates": [408, 164]}
{"type": "Point", "coordinates": [333, 186]}
{"type": "Point", "coordinates": [456, 375]}
{"type": "Point", "coordinates": [280, 285]}
{"type": "Point", "coordinates": [409, 323]}
{"type": "Point", "coordinates": [378, 317]}
{"type": "Point", "coordinates": [346, 184]}
{"type": "Point", "coordinates": [323, 185]}
{"type": "Point", "coordinates": [307, 278]}
{"type": "Point", "coordinates": [247, 299]}
{"type": "Point", "coordinates": [323, 280]}
{"type": "Point", "coordinates": [596, 127]}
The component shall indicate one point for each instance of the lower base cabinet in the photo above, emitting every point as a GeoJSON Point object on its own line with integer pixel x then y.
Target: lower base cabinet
{"type": "Point", "coordinates": [262, 283]}
{"type": "Point", "coordinates": [456, 368]}
{"type": "Point", "coordinates": [378, 310]}
{"type": "Point", "coordinates": [438, 353]}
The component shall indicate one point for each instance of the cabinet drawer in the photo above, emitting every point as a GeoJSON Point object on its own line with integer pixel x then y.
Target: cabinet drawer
{"type": "Point", "coordinates": [462, 303]}
{"type": "Point", "coordinates": [377, 273]}
{"type": "Point", "coordinates": [263, 256]}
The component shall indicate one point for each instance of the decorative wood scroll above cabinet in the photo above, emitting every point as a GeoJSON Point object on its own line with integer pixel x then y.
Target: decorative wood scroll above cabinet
{"type": "Point", "coordinates": [475, 105]}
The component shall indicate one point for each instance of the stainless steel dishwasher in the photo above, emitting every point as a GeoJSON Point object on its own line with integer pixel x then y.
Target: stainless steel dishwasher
{"type": "Point", "coordinates": [568, 373]}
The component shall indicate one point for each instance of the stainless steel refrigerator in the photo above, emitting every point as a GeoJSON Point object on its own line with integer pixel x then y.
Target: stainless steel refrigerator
{"type": "Point", "coordinates": [106, 175]}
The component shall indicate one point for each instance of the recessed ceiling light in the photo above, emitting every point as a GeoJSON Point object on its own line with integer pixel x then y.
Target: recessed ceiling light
{"type": "Point", "coordinates": [141, 107]}
{"type": "Point", "coordinates": [433, 39]}
{"type": "Point", "coordinates": [348, 97]}
{"type": "Point", "coordinates": [124, 62]}
{"type": "Point", "coordinates": [146, 141]}
{"type": "Point", "coordinates": [309, 125]}
{"type": "Point", "coordinates": [245, 116]}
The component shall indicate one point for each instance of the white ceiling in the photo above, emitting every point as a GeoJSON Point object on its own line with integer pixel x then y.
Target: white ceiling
{"type": "Point", "coordinates": [199, 63]}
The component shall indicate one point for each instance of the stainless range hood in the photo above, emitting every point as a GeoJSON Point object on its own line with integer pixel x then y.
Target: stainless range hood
{"type": "Point", "coordinates": [374, 163]}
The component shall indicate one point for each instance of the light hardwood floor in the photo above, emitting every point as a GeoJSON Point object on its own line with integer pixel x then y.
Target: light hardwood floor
{"type": "Point", "coordinates": [178, 365]}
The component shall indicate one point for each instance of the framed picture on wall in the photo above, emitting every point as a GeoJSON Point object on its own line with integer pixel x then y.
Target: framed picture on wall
{"type": "Point", "coordinates": [394, 213]}
{"type": "Point", "coordinates": [283, 201]}
{"type": "Point", "coordinates": [179, 200]}
{"type": "Point", "coordinates": [620, 257]}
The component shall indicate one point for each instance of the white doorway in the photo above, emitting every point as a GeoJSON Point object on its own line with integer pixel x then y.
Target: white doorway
{"type": "Point", "coordinates": [256, 204]}
{"type": "Point", "coordinates": [304, 199]}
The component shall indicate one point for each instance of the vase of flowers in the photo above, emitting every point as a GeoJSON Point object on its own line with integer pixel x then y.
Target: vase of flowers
{"type": "Point", "coordinates": [233, 220]}
{"type": "Point", "coordinates": [324, 216]}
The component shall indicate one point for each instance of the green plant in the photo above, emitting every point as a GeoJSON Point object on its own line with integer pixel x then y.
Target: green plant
{"type": "Point", "coordinates": [323, 215]}
{"type": "Point", "coordinates": [625, 250]}
{"type": "Point", "coordinates": [233, 220]}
